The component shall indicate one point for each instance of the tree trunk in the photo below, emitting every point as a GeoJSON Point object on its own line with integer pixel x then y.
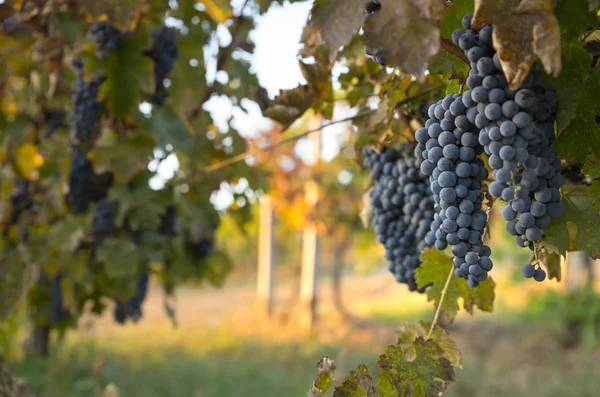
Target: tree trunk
{"type": "Point", "coordinates": [40, 340]}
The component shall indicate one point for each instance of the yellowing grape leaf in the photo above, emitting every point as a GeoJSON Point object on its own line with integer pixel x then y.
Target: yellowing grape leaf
{"type": "Point", "coordinates": [406, 32]}
{"type": "Point", "coordinates": [521, 30]}
{"type": "Point", "coordinates": [333, 23]}
{"type": "Point", "coordinates": [357, 384]}
{"type": "Point", "coordinates": [434, 270]}
{"type": "Point", "coordinates": [326, 367]}
{"type": "Point", "coordinates": [408, 333]}
{"type": "Point", "coordinates": [27, 160]}
{"type": "Point", "coordinates": [219, 11]}
{"type": "Point", "coordinates": [426, 374]}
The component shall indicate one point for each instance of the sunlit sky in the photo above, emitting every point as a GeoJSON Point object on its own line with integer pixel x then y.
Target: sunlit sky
{"type": "Point", "coordinates": [276, 36]}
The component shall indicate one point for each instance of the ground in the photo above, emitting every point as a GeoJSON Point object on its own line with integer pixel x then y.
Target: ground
{"type": "Point", "coordinates": [223, 346]}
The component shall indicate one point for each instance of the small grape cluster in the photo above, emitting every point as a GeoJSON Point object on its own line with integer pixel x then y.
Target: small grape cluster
{"type": "Point", "coordinates": [59, 313]}
{"type": "Point", "coordinates": [21, 200]}
{"type": "Point", "coordinates": [401, 209]}
{"type": "Point", "coordinates": [106, 38]}
{"type": "Point", "coordinates": [132, 308]}
{"type": "Point", "coordinates": [449, 146]}
{"type": "Point", "coordinates": [86, 107]}
{"type": "Point", "coordinates": [53, 120]}
{"type": "Point", "coordinates": [78, 197]}
{"type": "Point", "coordinates": [164, 53]}
{"type": "Point", "coordinates": [517, 131]}
{"type": "Point", "coordinates": [103, 220]}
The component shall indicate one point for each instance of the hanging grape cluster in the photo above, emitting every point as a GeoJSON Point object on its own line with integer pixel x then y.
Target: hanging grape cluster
{"type": "Point", "coordinates": [164, 54]}
{"type": "Point", "coordinates": [449, 146]}
{"type": "Point", "coordinates": [401, 209]}
{"type": "Point", "coordinates": [517, 131]}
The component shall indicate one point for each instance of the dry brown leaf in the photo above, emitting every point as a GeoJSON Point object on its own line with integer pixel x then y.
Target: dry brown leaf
{"type": "Point", "coordinates": [521, 31]}
{"type": "Point", "coordinates": [407, 32]}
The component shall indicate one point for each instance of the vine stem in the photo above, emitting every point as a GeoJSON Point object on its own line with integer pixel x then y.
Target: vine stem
{"type": "Point", "coordinates": [436, 316]}
{"type": "Point", "coordinates": [449, 46]}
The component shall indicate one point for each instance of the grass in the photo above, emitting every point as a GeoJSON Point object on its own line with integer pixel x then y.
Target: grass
{"type": "Point", "coordinates": [223, 348]}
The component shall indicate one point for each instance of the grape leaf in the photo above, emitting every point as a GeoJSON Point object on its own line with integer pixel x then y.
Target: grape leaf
{"type": "Point", "coordinates": [453, 15]}
{"type": "Point", "coordinates": [521, 30]}
{"type": "Point", "coordinates": [408, 333]}
{"type": "Point", "coordinates": [357, 384]}
{"type": "Point", "coordinates": [128, 74]}
{"type": "Point", "coordinates": [66, 234]}
{"type": "Point", "coordinates": [552, 263]}
{"type": "Point", "coordinates": [426, 375]}
{"type": "Point", "coordinates": [434, 270]}
{"type": "Point", "coordinates": [407, 32]}
{"type": "Point", "coordinates": [333, 24]}
{"type": "Point", "coordinates": [326, 367]}
{"type": "Point", "coordinates": [449, 66]}
{"type": "Point", "coordinates": [592, 169]}
{"type": "Point", "coordinates": [120, 257]}
{"type": "Point", "coordinates": [289, 105]}
{"type": "Point", "coordinates": [580, 221]}
{"type": "Point", "coordinates": [124, 159]}
{"type": "Point", "coordinates": [582, 134]}
{"type": "Point", "coordinates": [168, 128]}
{"type": "Point", "coordinates": [573, 17]}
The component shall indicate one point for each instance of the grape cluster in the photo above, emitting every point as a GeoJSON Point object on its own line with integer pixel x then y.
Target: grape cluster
{"type": "Point", "coordinates": [517, 131]}
{"type": "Point", "coordinates": [164, 53]}
{"type": "Point", "coordinates": [59, 313]}
{"type": "Point", "coordinates": [53, 120]}
{"type": "Point", "coordinates": [78, 197]}
{"type": "Point", "coordinates": [106, 37]}
{"type": "Point", "coordinates": [132, 309]}
{"type": "Point", "coordinates": [21, 200]}
{"type": "Point", "coordinates": [86, 107]}
{"type": "Point", "coordinates": [103, 220]}
{"type": "Point", "coordinates": [401, 209]}
{"type": "Point", "coordinates": [449, 146]}
{"type": "Point", "coordinates": [167, 222]}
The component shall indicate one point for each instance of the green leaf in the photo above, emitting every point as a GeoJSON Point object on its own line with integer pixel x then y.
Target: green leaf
{"type": "Point", "coordinates": [453, 15]}
{"type": "Point", "coordinates": [427, 374]}
{"type": "Point", "coordinates": [522, 29]}
{"type": "Point", "coordinates": [578, 225]}
{"type": "Point", "coordinates": [67, 234]}
{"type": "Point", "coordinates": [141, 206]}
{"type": "Point", "coordinates": [333, 24]}
{"type": "Point", "coordinates": [167, 127]}
{"type": "Point", "coordinates": [443, 340]}
{"type": "Point", "coordinates": [573, 17]}
{"type": "Point", "coordinates": [128, 74]}
{"type": "Point", "coordinates": [407, 32]}
{"type": "Point", "coordinates": [453, 87]}
{"type": "Point", "coordinates": [357, 384]}
{"type": "Point", "coordinates": [120, 257]}
{"type": "Point", "coordinates": [434, 270]}
{"type": "Point", "coordinates": [449, 66]}
{"type": "Point", "coordinates": [123, 158]}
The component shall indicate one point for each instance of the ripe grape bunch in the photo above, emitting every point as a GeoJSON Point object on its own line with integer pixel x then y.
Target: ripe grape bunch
{"type": "Point", "coordinates": [86, 107]}
{"type": "Point", "coordinates": [401, 209]}
{"type": "Point", "coordinates": [164, 53]}
{"type": "Point", "coordinates": [106, 38]}
{"type": "Point", "coordinates": [132, 309]}
{"type": "Point", "coordinates": [449, 146]}
{"type": "Point", "coordinates": [517, 131]}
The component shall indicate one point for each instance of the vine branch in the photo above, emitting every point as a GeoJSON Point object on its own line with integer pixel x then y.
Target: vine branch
{"type": "Point", "coordinates": [449, 46]}
{"type": "Point", "coordinates": [243, 156]}
{"type": "Point", "coordinates": [438, 310]}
